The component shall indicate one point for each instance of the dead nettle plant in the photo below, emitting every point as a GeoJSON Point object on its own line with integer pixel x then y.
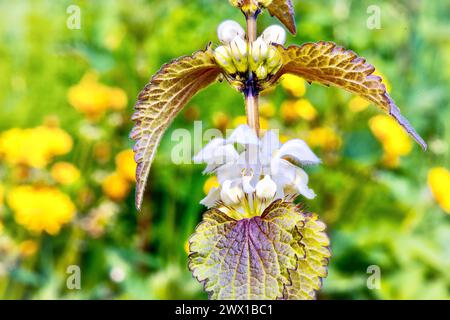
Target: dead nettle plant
{"type": "Point", "coordinates": [254, 242]}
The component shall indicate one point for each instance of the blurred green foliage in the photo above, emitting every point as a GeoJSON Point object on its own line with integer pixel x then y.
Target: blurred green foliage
{"type": "Point", "coordinates": [376, 215]}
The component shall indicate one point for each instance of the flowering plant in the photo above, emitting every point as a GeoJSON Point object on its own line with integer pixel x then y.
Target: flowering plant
{"type": "Point", "coordinates": [254, 242]}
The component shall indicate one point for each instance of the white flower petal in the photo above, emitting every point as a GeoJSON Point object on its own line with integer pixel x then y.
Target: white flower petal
{"type": "Point", "coordinates": [299, 151]}
{"type": "Point", "coordinates": [212, 198]}
{"type": "Point", "coordinates": [301, 183]}
{"type": "Point", "coordinates": [282, 171]}
{"type": "Point", "coordinates": [231, 192]}
{"type": "Point", "coordinates": [208, 150]}
{"type": "Point", "coordinates": [269, 144]}
{"type": "Point", "coordinates": [228, 30]}
{"type": "Point", "coordinates": [274, 34]}
{"type": "Point", "coordinates": [243, 135]}
{"type": "Point", "coordinates": [266, 188]}
{"type": "Point", "coordinates": [216, 154]}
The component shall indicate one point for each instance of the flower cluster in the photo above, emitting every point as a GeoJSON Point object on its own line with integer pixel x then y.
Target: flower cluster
{"type": "Point", "coordinates": [252, 172]}
{"type": "Point", "coordinates": [236, 57]}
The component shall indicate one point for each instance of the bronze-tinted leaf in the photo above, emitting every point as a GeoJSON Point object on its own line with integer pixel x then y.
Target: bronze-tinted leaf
{"type": "Point", "coordinates": [283, 10]}
{"type": "Point", "coordinates": [328, 64]}
{"type": "Point", "coordinates": [160, 101]}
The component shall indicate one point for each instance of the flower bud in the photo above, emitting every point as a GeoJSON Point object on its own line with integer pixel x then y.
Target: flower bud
{"type": "Point", "coordinates": [266, 188]}
{"type": "Point", "coordinates": [239, 52]}
{"type": "Point", "coordinates": [259, 50]}
{"type": "Point", "coordinates": [231, 194]}
{"type": "Point", "coordinates": [228, 30]}
{"type": "Point", "coordinates": [223, 58]}
{"type": "Point", "coordinates": [274, 61]}
{"type": "Point", "coordinates": [261, 72]}
{"type": "Point", "coordinates": [274, 34]}
{"type": "Point", "coordinates": [247, 182]}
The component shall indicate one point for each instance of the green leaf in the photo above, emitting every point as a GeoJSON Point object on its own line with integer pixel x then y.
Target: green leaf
{"type": "Point", "coordinates": [330, 65]}
{"type": "Point", "coordinates": [251, 258]}
{"type": "Point", "coordinates": [161, 100]}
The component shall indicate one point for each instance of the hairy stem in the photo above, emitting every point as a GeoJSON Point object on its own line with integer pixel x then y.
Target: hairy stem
{"type": "Point", "coordinates": [251, 93]}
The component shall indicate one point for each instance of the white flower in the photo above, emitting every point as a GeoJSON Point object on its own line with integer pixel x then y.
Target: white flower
{"type": "Point", "coordinates": [274, 34]}
{"type": "Point", "coordinates": [231, 193]}
{"type": "Point", "coordinates": [222, 55]}
{"type": "Point", "coordinates": [228, 30]}
{"type": "Point", "coordinates": [265, 167]}
{"type": "Point", "coordinates": [266, 188]}
{"type": "Point", "coordinates": [238, 48]}
{"type": "Point", "coordinates": [259, 50]}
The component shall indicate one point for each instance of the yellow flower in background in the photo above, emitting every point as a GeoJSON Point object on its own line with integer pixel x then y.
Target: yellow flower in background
{"type": "Point", "coordinates": [439, 184]}
{"type": "Point", "coordinates": [267, 109]}
{"type": "Point", "coordinates": [239, 120]}
{"type": "Point", "coordinates": [385, 80]}
{"type": "Point", "coordinates": [116, 187]}
{"type": "Point", "coordinates": [125, 164]}
{"type": "Point", "coordinates": [210, 183]}
{"type": "Point", "coordinates": [41, 208]}
{"type": "Point", "coordinates": [325, 138]}
{"type": "Point", "coordinates": [294, 85]}
{"type": "Point", "coordinates": [305, 109]}
{"type": "Point", "coordinates": [34, 147]}
{"type": "Point", "coordinates": [358, 104]}
{"type": "Point", "coordinates": [220, 120]}
{"type": "Point", "coordinates": [293, 110]}
{"type": "Point", "coordinates": [93, 98]}
{"type": "Point", "coordinates": [1, 227]}
{"type": "Point", "coordinates": [2, 194]}
{"type": "Point", "coordinates": [288, 112]}
{"type": "Point", "coordinates": [118, 99]}
{"type": "Point", "coordinates": [28, 248]}
{"type": "Point", "coordinates": [65, 173]}
{"type": "Point", "coordinates": [395, 141]}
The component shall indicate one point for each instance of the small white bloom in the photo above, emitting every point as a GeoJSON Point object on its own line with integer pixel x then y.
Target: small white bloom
{"type": "Point", "coordinates": [222, 55]}
{"type": "Point", "coordinates": [231, 193]}
{"type": "Point", "coordinates": [238, 48]}
{"type": "Point", "coordinates": [228, 30]}
{"type": "Point", "coordinates": [299, 151]}
{"type": "Point", "coordinates": [266, 188]}
{"type": "Point", "coordinates": [274, 34]}
{"type": "Point", "coordinates": [259, 50]}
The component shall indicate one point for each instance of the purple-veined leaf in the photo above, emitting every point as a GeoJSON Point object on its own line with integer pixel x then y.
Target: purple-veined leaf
{"type": "Point", "coordinates": [161, 100]}
{"type": "Point", "coordinates": [251, 258]}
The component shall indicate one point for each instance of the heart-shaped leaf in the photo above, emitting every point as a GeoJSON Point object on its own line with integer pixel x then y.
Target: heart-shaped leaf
{"type": "Point", "coordinates": [253, 258]}
{"type": "Point", "coordinates": [161, 100]}
{"type": "Point", "coordinates": [328, 64]}
{"type": "Point", "coordinates": [283, 10]}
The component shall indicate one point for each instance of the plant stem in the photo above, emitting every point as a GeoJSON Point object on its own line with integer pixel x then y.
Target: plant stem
{"type": "Point", "coordinates": [251, 93]}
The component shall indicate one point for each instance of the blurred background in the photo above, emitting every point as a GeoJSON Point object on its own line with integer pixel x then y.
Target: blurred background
{"type": "Point", "coordinates": [67, 173]}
